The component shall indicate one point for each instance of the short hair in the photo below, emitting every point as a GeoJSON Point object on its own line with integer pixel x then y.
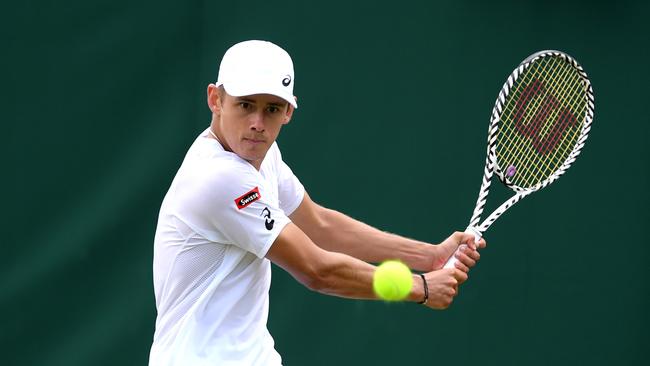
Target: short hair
{"type": "Point", "coordinates": [222, 92]}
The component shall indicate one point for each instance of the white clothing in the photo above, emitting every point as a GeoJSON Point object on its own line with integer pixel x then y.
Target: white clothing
{"type": "Point", "coordinates": [211, 280]}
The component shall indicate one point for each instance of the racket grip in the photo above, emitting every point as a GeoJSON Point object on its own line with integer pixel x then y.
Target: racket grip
{"type": "Point", "coordinates": [451, 262]}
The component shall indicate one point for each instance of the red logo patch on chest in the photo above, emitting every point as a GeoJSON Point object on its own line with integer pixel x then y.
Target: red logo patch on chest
{"type": "Point", "coordinates": [248, 198]}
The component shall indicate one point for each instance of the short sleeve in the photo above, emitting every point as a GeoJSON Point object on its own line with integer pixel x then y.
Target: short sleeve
{"type": "Point", "coordinates": [230, 204]}
{"type": "Point", "coordinates": [290, 191]}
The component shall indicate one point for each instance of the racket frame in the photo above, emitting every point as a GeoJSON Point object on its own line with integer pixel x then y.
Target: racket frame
{"type": "Point", "coordinates": [491, 165]}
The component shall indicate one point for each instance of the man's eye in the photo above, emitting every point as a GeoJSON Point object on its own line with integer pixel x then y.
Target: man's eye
{"type": "Point", "coordinates": [273, 109]}
{"type": "Point", "coordinates": [244, 105]}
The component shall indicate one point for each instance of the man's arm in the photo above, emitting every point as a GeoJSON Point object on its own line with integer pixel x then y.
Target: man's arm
{"type": "Point", "coordinates": [336, 232]}
{"type": "Point", "coordinates": [341, 275]}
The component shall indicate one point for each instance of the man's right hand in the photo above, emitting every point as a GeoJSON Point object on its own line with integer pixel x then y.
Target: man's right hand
{"type": "Point", "coordinates": [443, 286]}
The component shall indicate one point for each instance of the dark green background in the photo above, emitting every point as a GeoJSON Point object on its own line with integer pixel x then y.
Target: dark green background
{"type": "Point", "coordinates": [101, 99]}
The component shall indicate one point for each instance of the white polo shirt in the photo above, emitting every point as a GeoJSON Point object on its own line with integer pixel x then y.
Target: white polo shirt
{"type": "Point", "coordinates": [211, 280]}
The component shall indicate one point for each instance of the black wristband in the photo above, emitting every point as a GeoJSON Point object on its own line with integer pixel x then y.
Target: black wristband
{"type": "Point", "coordinates": [426, 290]}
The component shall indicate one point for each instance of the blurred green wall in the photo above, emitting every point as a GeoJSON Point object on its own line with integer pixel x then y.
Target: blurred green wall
{"type": "Point", "coordinates": [101, 99]}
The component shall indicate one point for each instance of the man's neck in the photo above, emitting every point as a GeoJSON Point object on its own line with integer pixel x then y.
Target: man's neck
{"type": "Point", "coordinates": [211, 134]}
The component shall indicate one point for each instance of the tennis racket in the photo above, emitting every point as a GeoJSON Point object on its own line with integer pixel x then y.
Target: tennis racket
{"type": "Point", "coordinates": [539, 125]}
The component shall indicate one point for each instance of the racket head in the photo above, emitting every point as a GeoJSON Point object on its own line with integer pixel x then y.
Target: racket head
{"type": "Point", "coordinates": [540, 120]}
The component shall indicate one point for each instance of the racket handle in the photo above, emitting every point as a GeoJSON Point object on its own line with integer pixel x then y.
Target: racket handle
{"type": "Point", "coordinates": [451, 262]}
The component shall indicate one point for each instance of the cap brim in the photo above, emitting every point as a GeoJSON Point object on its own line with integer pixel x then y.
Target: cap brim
{"type": "Point", "coordinates": [240, 91]}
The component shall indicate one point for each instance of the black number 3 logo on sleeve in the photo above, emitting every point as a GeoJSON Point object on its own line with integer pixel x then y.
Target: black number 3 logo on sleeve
{"type": "Point", "coordinates": [268, 221]}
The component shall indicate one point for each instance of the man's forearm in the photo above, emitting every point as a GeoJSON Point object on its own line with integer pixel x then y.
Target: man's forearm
{"type": "Point", "coordinates": [326, 271]}
{"type": "Point", "coordinates": [340, 233]}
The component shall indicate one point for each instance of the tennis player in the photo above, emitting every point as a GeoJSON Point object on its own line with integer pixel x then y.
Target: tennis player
{"type": "Point", "coordinates": [235, 206]}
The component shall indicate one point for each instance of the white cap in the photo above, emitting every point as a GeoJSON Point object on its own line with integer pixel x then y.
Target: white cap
{"type": "Point", "coordinates": [257, 67]}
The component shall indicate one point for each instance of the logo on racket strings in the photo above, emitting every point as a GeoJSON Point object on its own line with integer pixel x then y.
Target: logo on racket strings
{"type": "Point", "coordinates": [533, 129]}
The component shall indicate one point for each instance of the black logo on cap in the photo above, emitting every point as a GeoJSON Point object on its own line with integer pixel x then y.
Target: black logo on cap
{"type": "Point", "coordinates": [268, 221]}
{"type": "Point", "coordinates": [286, 81]}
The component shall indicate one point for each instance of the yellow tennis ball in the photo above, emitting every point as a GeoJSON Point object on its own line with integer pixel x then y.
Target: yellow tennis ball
{"type": "Point", "coordinates": [392, 281]}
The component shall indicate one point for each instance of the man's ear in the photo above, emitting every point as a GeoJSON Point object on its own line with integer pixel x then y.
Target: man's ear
{"type": "Point", "coordinates": [289, 114]}
{"type": "Point", "coordinates": [214, 101]}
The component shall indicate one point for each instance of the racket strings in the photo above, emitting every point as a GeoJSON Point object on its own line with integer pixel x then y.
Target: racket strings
{"type": "Point", "coordinates": [546, 140]}
{"type": "Point", "coordinates": [552, 131]}
{"type": "Point", "coordinates": [577, 102]}
{"type": "Point", "coordinates": [574, 84]}
{"type": "Point", "coordinates": [543, 109]}
{"type": "Point", "coordinates": [541, 121]}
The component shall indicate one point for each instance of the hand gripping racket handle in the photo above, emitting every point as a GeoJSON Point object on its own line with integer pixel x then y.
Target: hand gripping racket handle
{"type": "Point", "coordinates": [451, 262]}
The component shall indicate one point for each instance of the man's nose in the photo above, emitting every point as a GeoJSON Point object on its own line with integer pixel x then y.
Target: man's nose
{"type": "Point", "coordinates": [257, 121]}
